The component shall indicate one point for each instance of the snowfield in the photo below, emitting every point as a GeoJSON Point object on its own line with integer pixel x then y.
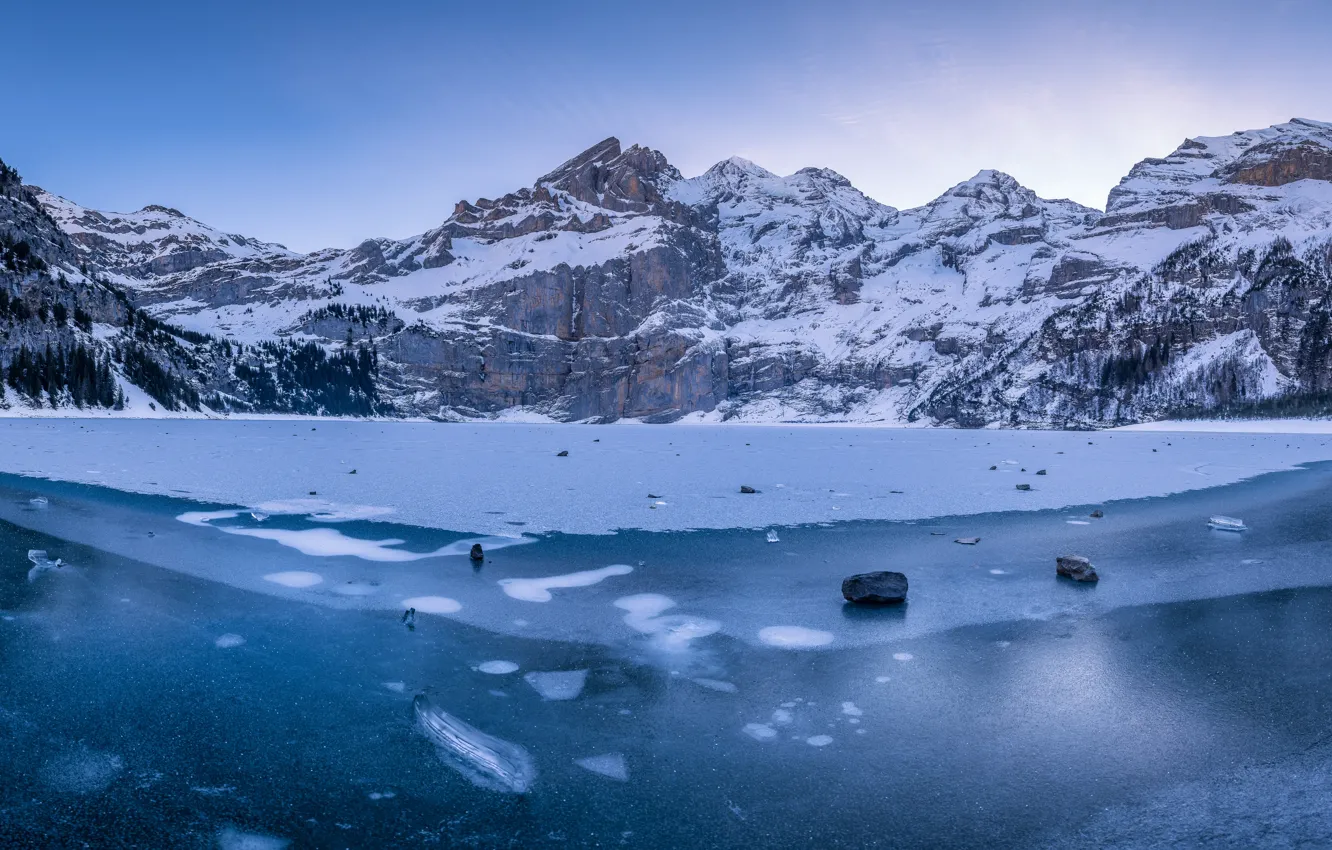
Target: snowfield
{"type": "Point", "coordinates": [506, 479]}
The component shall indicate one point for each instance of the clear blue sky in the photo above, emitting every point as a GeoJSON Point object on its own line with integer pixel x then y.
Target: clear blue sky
{"type": "Point", "coordinates": [319, 124]}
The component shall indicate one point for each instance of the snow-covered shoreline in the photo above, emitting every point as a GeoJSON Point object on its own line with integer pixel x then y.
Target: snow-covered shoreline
{"type": "Point", "coordinates": [508, 478]}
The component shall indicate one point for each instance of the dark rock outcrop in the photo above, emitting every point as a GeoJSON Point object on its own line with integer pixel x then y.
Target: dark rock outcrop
{"type": "Point", "coordinates": [1075, 567]}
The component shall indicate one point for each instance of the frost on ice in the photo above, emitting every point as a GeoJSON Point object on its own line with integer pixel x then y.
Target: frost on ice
{"type": "Point", "coordinates": [485, 760]}
{"type": "Point", "coordinates": [794, 637]}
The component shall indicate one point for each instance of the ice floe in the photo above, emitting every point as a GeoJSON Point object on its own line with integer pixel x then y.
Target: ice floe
{"type": "Point", "coordinates": [794, 637]}
{"type": "Point", "coordinates": [487, 761]}
{"type": "Point", "coordinates": [557, 684]}
{"type": "Point", "coordinates": [538, 589]}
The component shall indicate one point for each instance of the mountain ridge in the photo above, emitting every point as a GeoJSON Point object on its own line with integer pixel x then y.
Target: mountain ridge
{"type": "Point", "coordinates": [615, 287]}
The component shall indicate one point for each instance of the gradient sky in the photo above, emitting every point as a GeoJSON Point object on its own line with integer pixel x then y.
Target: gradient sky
{"type": "Point", "coordinates": [319, 124]}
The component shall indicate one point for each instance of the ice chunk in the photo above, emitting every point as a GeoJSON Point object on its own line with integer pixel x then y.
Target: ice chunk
{"type": "Point", "coordinates": [611, 766]}
{"type": "Point", "coordinates": [794, 637]}
{"type": "Point", "coordinates": [558, 684]}
{"type": "Point", "coordinates": [486, 761]}
{"type": "Point", "coordinates": [497, 668]}
{"type": "Point", "coordinates": [41, 563]}
{"type": "Point", "coordinates": [1227, 523]}
{"type": "Point", "coordinates": [773, 538]}
{"type": "Point", "coordinates": [38, 502]}
{"type": "Point", "coordinates": [538, 589]}
{"type": "Point", "coordinates": [229, 641]}
{"type": "Point", "coordinates": [258, 516]}
{"type": "Point", "coordinates": [759, 731]}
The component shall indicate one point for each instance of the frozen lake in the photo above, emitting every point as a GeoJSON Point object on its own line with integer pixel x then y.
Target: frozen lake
{"type": "Point", "coordinates": [230, 664]}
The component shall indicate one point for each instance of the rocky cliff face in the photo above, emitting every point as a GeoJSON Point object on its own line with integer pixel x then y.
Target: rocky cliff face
{"type": "Point", "coordinates": [614, 287]}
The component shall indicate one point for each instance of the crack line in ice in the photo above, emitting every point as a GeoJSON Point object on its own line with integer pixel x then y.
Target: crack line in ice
{"type": "Point", "coordinates": [538, 589]}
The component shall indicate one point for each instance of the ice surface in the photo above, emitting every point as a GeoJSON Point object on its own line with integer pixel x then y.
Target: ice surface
{"type": "Point", "coordinates": [497, 668]}
{"type": "Point", "coordinates": [511, 469]}
{"type": "Point", "coordinates": [487, 761]}
{"type": "Point", "coordinates": [611, 765]}
{"type": "Point", "coordinates": [82, 771]}
{"type": "Point", "coordinates": [538, 589]}
{"type": "Point", "coordinates": [295, 578]}
{"type": "Point", "coordinates": [234, 839]}
{"type": "Point", "coordinates": [228, 641]}
{"type": "Point", "coordinates": [794, 637]}
{"type": "Point", "coordinates": [557, 684]}
{"type": "Point", "coordinates": [433, 604]}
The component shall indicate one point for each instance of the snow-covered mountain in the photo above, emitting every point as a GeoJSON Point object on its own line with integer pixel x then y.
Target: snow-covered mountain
{"type": "Point", "coordinates": [615, 287]}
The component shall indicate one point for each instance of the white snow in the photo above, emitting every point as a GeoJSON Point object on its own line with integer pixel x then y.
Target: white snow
{"type": "Point", "coordinates": [511, 469]}
{"type": "Point", "coordinates": [497, 668]}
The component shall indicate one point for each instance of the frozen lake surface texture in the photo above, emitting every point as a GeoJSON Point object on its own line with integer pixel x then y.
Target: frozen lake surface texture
{"type": "Point", "coordinates": [275, 634]}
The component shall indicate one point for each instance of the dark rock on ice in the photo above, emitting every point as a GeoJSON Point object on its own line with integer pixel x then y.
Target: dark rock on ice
{"type": "Point", "coordinates": [1024, 486]}
{"type": "Point", "coordinates": [1040, 472]}
{"type": "Point", "coordinates": [409, 618]}
{"type": "Point", "coordinates": [477, 553]}
{"type": "Point", "coordinates": [1096, 514]}
{"type": "Point", "coordinates": [745, 488]}
{"type": "Point", "coordinates": [1075, 567]}
{"type": "Point", "coordinates": [878, 588]}
{"type": "Point", "coordinates": [562, 454]}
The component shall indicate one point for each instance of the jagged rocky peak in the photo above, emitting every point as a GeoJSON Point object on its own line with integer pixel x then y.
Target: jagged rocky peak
{"type": "Point", "coordinates": [633, 180]}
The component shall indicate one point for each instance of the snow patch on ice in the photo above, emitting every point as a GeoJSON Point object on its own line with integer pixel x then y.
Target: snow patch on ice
{"type": "Point", "coordinates": [759, 731]}
{"type": "Point", "coordinates": [538, 589]}
{"type": "Point", "coordinates": [320, 510]}
{"type": "Point", "coordinates": [295, 578]}
{"type": "Point", "coordinates": [82, 771]}
{"type": "Point", "coordinates": [229, 641]}
{"type": "Point", "coordinates": [819, 740]}
{"type": "Point", "coordinates": [794, 637]}
{"type": "Point", "coordinates": [433, 604]}
{"type": "Point", "coordinates": [557, 684]}
{"type": "Point", "coordinates": [231, 838]}
{"type": "Point", "coordinates": [672, 632]}
{"type": "Point", "coordinates": [497, 668]}
{"type": "Point", "coordinates": [611, 765]}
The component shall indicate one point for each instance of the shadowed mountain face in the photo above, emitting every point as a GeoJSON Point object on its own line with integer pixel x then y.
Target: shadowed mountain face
{"type": "Point", "coordinates": [614, 287]}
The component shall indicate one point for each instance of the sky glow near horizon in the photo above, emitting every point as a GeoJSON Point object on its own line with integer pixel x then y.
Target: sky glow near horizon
{"type": "Point", "coordinates": [319, 125]}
